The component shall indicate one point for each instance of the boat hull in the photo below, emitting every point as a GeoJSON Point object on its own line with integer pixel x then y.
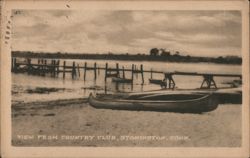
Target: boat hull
{"type": "Point", "coordinates": [205, 103]}
{"type": "Point", "coordinates": [121, 80]}
{"type": "Point", "coordinates": [158, 82]}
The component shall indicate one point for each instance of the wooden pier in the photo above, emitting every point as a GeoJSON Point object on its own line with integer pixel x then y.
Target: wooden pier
{"type": "Point", "coordinates": [43, 67]}
{"type": "Point", "coordinates": [208, 78]}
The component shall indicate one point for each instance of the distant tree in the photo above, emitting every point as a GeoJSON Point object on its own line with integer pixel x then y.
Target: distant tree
{"type": "Point", "coordinates": [164, 52]}
{"type": "Point", "coordinates": [188, 56]}
{"type": "Point", "coordinates": [154, 52]}
{"type": "Point", "coordinates": [177, 53]}
{"type": "Point", "coordinates": [220, 58]}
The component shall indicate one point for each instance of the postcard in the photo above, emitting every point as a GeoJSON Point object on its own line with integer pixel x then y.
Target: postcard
{"type": "Point", "coordinates": [125, 79]}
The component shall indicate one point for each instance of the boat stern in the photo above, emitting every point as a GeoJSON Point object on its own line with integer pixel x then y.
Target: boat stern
{"type": "Point", "coordinates": [213, 102]}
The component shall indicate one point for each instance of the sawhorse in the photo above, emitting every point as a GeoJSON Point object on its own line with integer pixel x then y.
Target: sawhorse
{"type": "Point", "coordinates": [170, 84]}
{"type": "Point", "coordinates": [209, 80]}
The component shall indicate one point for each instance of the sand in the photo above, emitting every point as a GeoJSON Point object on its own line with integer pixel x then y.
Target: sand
{"type": "Point", "coordinates": [75, 123]}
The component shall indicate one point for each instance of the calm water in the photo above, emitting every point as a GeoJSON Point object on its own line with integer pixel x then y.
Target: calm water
{"type": "Point", "coordinates": [79, 88]}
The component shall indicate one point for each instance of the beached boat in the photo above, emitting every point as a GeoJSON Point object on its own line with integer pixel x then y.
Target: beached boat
{"type": "Point", "coordinates": [173, 102]}
{"type": "Point", "coordinates": [223, 95]}
{"type": "Point", "coordinates": [121, 80]}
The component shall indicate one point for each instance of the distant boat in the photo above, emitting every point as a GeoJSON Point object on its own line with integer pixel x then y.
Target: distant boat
{"type": "Point", "coordinates": [121, 80]}
{"type": "Point", "coordinates": [174, 102]}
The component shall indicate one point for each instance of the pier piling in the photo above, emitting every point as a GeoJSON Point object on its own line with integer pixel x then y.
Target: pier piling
{"type": "Point", "coordinates": [151, 73]}
{"type": "Point", "coordinates": [85, 71]}
{"type": "Point", "coordinates": [117, 70]}
{"type": "Point", "coordinates": [57, 67]}
{"type": "Point", "coordinates": [78, 70]}
{"type": "Point", "coordinates": [54, 68]}
{"type": "Point", "coordinates": [64, 67]}
{"type": "Point", "coordinates": [95, 71]}
{"type": "Point", "coordinates": [73, 70]}
{"type": "Point", "coordinates": [106, 71]}
{"type": "Point", "coordinates": [29, 65]}
{"type": "Point", "coordinates": [142, 76]}
{"type": "Point", "coordinates": [123, 72]}
{"type": "Point", "coordinates": [132, 72]}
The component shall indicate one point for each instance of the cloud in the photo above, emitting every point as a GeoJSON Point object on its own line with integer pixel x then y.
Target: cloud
{"type": "Point", "coordinates": [203, 33]}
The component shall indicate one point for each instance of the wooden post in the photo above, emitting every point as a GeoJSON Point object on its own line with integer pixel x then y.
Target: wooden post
{"type": "Point", "coordinates": [29, 65]}
{"type": "Point", "coordinates": [38, 67]}
{"type": "Point", "coordinates": [54, 68]}
{"type": "Point", "coordinates": [117, 70]}
{"type": "Point", "coordinates": [51, 67]}
{"type": "Point", "coordinates": [95, 70]}
{"type": "Point", "coordinates": [106, 71]}
{"type": "Point", "coordinates": [85, 71]}
{"type": "Point", "coordinates": [41, 67]}
{"type": "Point", "coordinates": [132, 86]}
{"type": "Point", "coordinates": [13, 64]}
{"type": "Point", "coordinates": [45, 65]}
{"type": "Point", "coordinates": [136, 72]}
{"type": "Point", "coordinates": [123, 72]}
{"type": "Point", "coordinates": [151, 74]}
{"type": "Point", "coordinates": [64, 67]}
{"type": "Point", "coordinates": [142, 76]}
{"type": "Point", "coordinates": [58, 67]}
{"type": "Point", "coordinates": [78, 70]}
{"type": "Point", "coordinates": [132, 72]}
{"type": "Point", "coordinates": [73, 73]}
{"type": "Point", "coordinates": [105, 88]}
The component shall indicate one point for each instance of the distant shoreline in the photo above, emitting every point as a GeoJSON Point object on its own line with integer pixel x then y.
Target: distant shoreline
{"type": "Point", "coordinates": [233, 60]}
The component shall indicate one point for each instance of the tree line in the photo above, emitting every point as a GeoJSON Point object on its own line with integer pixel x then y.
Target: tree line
{"type": "Point", "coordinates": [155, 54]}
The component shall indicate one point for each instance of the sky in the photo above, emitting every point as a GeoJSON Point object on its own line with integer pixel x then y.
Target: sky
{"type": "Point", "coordinates": [197, 33]}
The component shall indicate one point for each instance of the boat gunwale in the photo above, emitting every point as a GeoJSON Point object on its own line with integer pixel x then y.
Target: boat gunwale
{"type": "Point", "coordinates": [151, 101]}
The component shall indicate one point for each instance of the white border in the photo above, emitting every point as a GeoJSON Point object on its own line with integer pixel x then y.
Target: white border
{"type": "Point", "coordinates": [10, 151]}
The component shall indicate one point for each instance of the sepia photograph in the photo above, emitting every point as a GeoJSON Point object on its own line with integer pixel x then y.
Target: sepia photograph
{"type": "Point", "coordinates": [126, 77]}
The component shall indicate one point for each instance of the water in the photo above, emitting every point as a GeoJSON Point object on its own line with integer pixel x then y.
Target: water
{"type": "Point", "coordinates": [79, 88]}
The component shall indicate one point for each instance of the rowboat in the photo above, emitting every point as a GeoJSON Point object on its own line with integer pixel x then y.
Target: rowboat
{"type": "Point", "coordinates": [121, 80]}
{"type": "Point", "coordinates": [223, 95]}
{"type": "Point", "coordinates": [158, 82]}
{"type": "Point", "coordinates": [174, 102]}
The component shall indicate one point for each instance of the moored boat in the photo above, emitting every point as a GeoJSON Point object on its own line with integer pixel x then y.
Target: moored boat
{"type": "Point", "coordinates": [158, 82]}
{"type": "Point", "coordinates": [179, 102]}
{"type": "Point", "coordinates": [121, 80]}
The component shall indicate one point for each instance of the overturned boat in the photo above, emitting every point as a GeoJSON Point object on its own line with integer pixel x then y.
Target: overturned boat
{"type": "Point", "coordinates": [172, 102]}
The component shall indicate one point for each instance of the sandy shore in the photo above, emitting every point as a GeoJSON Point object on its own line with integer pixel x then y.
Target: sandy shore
{"type": "Point", "coordinates": [75, 123]}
